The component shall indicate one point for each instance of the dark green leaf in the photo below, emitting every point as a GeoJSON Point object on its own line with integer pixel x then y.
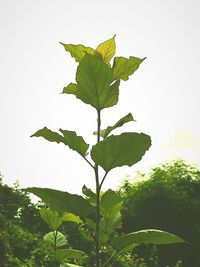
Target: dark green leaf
{"type": "Point", "coordinates": [78, 51]}
{"type": "Point", "coordinates": [119, 150]}
{"type": "Point", "coordinates": [69, 138]}
{"type": "Point", "coordinates": [94, 78]}
{"type": "Point", "coordinates": [51, 218]}
{"type": "Point", "coordinates": [146, 236]}
{"type": "Point", "coordinates": [64, 202]}
{"type": "Point", "coordinates": [107, 49]}
{"type": "Point", "coordinates": [124, 67]}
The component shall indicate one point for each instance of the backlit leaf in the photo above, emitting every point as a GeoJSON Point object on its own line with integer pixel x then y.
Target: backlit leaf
{"type": "Point", "coordinates": [91, 196]}
{"type": "Point", "coordinates": [69, 138]}
{"type": "Point", "coordinates": [51, 218]}
{"type": "Point", "coordinates": [70, 217]}
{"type": "Point", "coordinates": [78, 51]}
{"type": "Point", "coordinates": [64, 202]}
{"type": "Point", "coordinates": [147, 236]}
{"type": "Point", "coordinates": [107, 49]}
{"type": "Point", "coordinates": [94, 79]}
{"type": "Point", "coordinates": [60, 239]}
{"type": "Point", "coordinates": [119, 150]}
{"type": "Point", "coordinates": [124, 67]}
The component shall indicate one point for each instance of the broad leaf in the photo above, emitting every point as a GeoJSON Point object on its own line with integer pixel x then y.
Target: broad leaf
{"type": "Point", "coordinates": [107, 49]}
{"type": "Point", "coordinates": [70, 217]}
{"type": "Point", "coordinates": [51, 218]}
{"type": "Point", "coordinates": [60, 239]}
{"type": "Point", "coordinates": [124, 67]}
{"type": "Point", "coordinates": [78, 51]}
{"type": "Point", "coordinates": [109, 129]}
{"type": "Point", "coordinates": [63, 254]}
{"type": "Point", "coordinates": [110, 207]}
{"type": "Point", "coordinates": [69, 138]}
{"type": "Point", "coordinates": [152, 236]}
{"type": "Point", "coordinates": [94, 79]}
{"type": "Point", "coordinates": [64, 202]}
{"type": "Point", "coordinates": [119, 150]}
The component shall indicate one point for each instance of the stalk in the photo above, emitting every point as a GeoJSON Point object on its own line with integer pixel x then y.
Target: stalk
{"type": "Point", "coordinates": [97, 194]}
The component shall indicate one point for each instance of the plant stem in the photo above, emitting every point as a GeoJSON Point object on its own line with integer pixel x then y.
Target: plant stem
{"type": "Point", "coordinates": [97, 194]}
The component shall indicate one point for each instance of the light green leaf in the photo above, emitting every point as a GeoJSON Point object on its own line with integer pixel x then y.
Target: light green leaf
{"type": "Point", "coordinates": [51, 218]}
{"type": "Point", "coordinates": [69, 138]}
{"type": "Point", "coordinates": [152, 236]}
{"type": "Point", "coordinates": [60, 239]}
{"type": "Point", "coordinates": [109, 129]}
{"type": "Point", "coordinates": [94, 79]}
{"type": "Point", "coordinates": [70, 217]}
{"type": "Point", "coordinates": [78, 51]}
{"type": "Point", "coordinates": [70, 89]}
{"type": "Point", "coordinates": [119, 150]}
{"type": "Point", "coordinates": [110, 207]}
{"type": "Point", "coordinates": [63, 254]}
{"type": "Point", "coordinates": [107, 49]}
{"type": "Point", "coordinates": [64, 202]}
{"type": "Point", "coordinates": [69, 265]}
{"type": "Point", "coordinates": [124, 67]}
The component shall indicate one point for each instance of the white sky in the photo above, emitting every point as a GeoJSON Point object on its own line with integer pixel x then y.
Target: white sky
{"type": "Point", "coordinates": [163, 95]}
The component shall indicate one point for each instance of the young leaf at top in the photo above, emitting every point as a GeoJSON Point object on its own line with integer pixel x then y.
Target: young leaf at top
{"type": "Point", "coordinates": [124, 67]}
{"type": "Point", "coordinates": [64, 202]}
{"type": "Point", "coordinates": [109, 129]}
{"type": "Point", "coordinates": [107, 49]}
{"type": "Point", "coordinates": [147, 236]}
{"type": "Point", "coordinates": [69, 138]}
{"type": "Point", "coordinates": [119, 150]}
{"type": "Point", "coordinates": [51, 218]}
{"type": "Point", "coordinates": [78, 51]}
{"type": "Point", "coordinates": [94, 79]}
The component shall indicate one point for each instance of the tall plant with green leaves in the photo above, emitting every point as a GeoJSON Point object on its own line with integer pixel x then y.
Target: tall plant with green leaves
{"type": "Point", "coordinates": [98, 78]}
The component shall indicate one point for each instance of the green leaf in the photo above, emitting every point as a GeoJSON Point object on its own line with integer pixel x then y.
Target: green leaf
{"type": "Point", "coordinates": [70, 89]}
{"type": "Point", "coordinates": [146, 236]}
{"type": "Point", "coordinates": [51, 218]}
{"type": "Point", "coordinates": [69, 138]}
{"type": "Point", "coordinates": [119, 150]}
{"type": "Point", "coordinates": [94, 79]}
{"type": "Point", "coordinates": [109, 129]}
{"type": "Point", "coordinates": [107, 49]}
{"type": "Point", "coordinates": [91, 196]}
{"type": "Point", "coordinates": [110, 207]}
{"type": "Point", "coordinates": [63, 254]}
{"type": "Point", "coordinates": [69, 265]}
{"type": "Point", "coordinates": [64, 202]}
{"type": "Point", "coordinates": [60, 239]}
{"type": "Point", "coordinates": [70, 217]}
{"type": "Point", "coordinates": [78, 51]}
{"type": "Point", "coordinates": [124, 67]}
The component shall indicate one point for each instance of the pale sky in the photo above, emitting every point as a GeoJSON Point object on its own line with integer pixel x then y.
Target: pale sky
{"type": "Point", "coordinates": [163, 95]}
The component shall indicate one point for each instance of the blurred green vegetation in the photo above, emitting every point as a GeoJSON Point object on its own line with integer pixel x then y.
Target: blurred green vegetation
{"type": "Point", "coordinates": [168, 199]}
